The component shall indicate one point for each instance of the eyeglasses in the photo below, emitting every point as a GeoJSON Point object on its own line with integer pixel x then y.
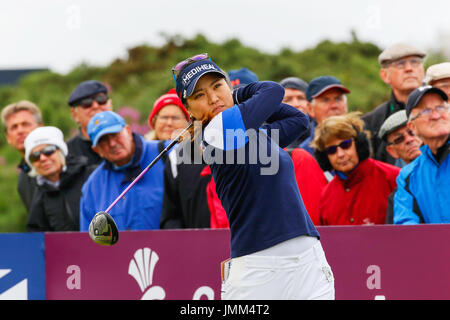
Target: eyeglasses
{"type": "Point", "coordinates": [426, 113]}
{"type": "Point", "coordinates": [401, 63]}
{"type": "Point", "coordinates": [181, 65]}
{"type": "Point", "coordinates": [47, 151]}
{"type": "Point", "coordinates": [86, 103]}
{"type": "Point", "coordinates": [344, 145]}
{"type": "Point", "coordinates": [167, 118]}
{"type": "Point", "coordinates": [401, 138]}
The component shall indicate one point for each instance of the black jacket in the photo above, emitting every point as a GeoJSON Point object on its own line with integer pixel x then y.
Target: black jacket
{"type": "Point", "coordinates": [374, 120]}
{"type": "Point", "coordinates": [185, 203]}
{"type": "Point", "coordinates": [80, 146]}
{"type": "Point", "coordinates": [58, 209]}
{"type": "Point", "coordinates": [26, 185]}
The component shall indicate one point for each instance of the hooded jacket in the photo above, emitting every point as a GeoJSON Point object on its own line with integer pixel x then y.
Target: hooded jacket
{"type": "Point", "coordinates": [58, 208]}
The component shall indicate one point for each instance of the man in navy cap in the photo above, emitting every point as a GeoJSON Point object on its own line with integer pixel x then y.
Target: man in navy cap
{"type": "Point", "coordinates": [86, 100]}
{"type": "Point", "coordinates": [422, 186]}
{"type": "Point", "coordinates": [326, 97]}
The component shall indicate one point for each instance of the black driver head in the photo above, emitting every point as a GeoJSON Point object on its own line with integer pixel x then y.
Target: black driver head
{"type": "Point", "coordinates": [103, 229]}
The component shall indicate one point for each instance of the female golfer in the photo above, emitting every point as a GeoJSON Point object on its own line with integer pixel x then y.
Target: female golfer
{"type": "Point", "coordinates": [275, 248]}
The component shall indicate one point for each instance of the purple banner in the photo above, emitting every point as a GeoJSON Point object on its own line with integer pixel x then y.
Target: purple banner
{"type": "Point", "coordinates": [369, 262]}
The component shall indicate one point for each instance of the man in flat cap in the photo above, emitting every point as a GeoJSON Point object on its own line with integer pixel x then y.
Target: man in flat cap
{"type": "Point", "coordinates": [401, 142]}
{"type": "Point", "coordinates": [402, 69]}
{"type": "Point", "coordinates": [422, 186]}
{"type": "Point", "coordinates": [86, 100]}
{"type": "Point", "coordinates": [438, 75]}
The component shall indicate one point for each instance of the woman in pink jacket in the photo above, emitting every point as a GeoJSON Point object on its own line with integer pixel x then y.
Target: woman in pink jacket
{"type": "Point", "coordinates": [360, 188]}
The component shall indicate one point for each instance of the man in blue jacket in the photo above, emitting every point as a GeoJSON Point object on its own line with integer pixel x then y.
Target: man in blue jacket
{"type": "Point", "coordinates": [125, 155]}
{"type": "Point", "coordinates": [423, 185]}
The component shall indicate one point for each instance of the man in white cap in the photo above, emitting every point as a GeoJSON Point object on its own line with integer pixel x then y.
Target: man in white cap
{"type": "Point", "coordinates": [56, 202]}
{"type": "Point", "coordinates": [438, 75]}
{"type": "Point", "coordinates": [402, 69]}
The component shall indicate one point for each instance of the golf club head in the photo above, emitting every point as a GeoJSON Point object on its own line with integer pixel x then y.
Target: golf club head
{"type": "Point", "coordinates": [103, 229]}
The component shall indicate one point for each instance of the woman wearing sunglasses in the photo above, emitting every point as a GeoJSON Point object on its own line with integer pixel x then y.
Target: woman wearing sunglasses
{"type": "Point", "coordinates": [275, 248]}
{"type": "Point", "coordinates": [55, 205]}
{"type": "Point", "coordinates": [361, 186]}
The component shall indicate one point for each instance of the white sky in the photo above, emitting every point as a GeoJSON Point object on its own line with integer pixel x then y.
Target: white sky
{"type": "Point", "coordinates": [60, 34]}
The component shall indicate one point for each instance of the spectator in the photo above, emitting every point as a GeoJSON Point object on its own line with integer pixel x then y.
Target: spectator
{"type": "Point", "coordinates": [19, 119]}
{"type": "Point", "coordinates": [241, 77]}
{"type": "Point", "coordinates": [87, 99]}
{"type": "Point", "coordinates": [56, 202]}
{"type": "Point", "coordinates": [126, 154]}
{"type": "Point", "coordinates": [401, 143]}
{"type": "Point", "coordinates": [438, 75]}
{"type": "Point", "coordinates": [310, 180]}
{"type": "Point", "coordinates": [402, 69]}
{"type": "Point", "coordinates": [295, 95]}
{"type": "Point", "coordinates": [360, 188]}
{"type": "Point", "coordinates": [422, 195]}
{"type": "Point", "coordinates": [326, 97]}
{"type": "Point", "coordinates": [167, 116]}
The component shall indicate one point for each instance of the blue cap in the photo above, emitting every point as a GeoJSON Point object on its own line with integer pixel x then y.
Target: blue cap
{"type": "Point", "coordinates": [86, 89]}
{"type": "Point", "coordinates": [319, 85]}
{"type": "Point", "coordinates": [187, 79]}
{"type": "Point", "coordinates": [415, 96]}
{"type": "Point", "coordinates": [241, 77]}
{"type": "Point", "coordinates": [103, 123]}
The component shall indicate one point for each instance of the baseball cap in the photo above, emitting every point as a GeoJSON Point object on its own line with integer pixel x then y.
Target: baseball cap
{"type": "Point", "coordinates": [189, 76]}
{"type": "Point", "coordinates": [86, 89]}
{"type": "Point", "coordinates": [392, 123]}
{"type": "Point", "coordinates": [397, 51]}
{"type": "Point", "coordinates": [241, 77]}
{"type": "Point", "coordinates": [169, 98]}
{"type": "Point", "coordinates": [104, 123]}
{"type": "Point", "coordinates": [415, 96]}
{"type": "Point", "coordinates": [294, 83]}
{"type": "Point", "coordinates": [437, 72]}
{"type": "Point", "coordinates": [44, 135]}
{"type": "Point", "coordinates": [319, 85]}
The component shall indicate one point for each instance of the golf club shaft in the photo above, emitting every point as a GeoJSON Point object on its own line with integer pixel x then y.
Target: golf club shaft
{"type": "Point", "coordinates": [174, 142]}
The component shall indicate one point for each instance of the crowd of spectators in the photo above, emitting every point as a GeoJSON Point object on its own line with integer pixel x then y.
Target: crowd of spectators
{"type": "Point", "coordinates": [388, 166]}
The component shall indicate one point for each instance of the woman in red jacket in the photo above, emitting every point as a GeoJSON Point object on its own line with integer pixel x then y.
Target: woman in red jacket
{"type": "Point", "coordinates": [359, 191]}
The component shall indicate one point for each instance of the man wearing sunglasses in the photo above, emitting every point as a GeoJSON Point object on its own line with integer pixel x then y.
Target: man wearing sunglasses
{"type": "Point", "coordinates": [422, 195]}
{"type": "Point", "coordinates": [86, 100]}
{"type": "Point", "coordinates": [401, 142]}
{"type": "Point", "coordinates": [402, 69]}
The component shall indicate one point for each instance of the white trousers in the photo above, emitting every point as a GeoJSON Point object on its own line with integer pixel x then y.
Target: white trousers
{"type": "Point", "coordinates": [304, 276]}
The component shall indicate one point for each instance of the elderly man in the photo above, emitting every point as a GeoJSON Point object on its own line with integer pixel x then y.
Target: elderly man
{"type": "Point", "coordinates": [326, 97]}
{"type": "Point", "coordinates": [86, 100]}
{"type": "Point", "coordinates": [295, 93]}
{"type": "Point", "coordinates": [126, 154]}
{"type": "Point", "coordinates": [422, 186]}
{"type": "Point", "coordinates": [438, 75]}
{"type": "Point", "coordinates": [19, 119]}
{"type": "Point", "coordinates": [401, 142]}
{"type": "Point", "coordinates": [402, 69]}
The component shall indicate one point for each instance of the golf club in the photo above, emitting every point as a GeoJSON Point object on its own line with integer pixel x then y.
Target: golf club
{"type": "Point", "coordinates": [102, 228]}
